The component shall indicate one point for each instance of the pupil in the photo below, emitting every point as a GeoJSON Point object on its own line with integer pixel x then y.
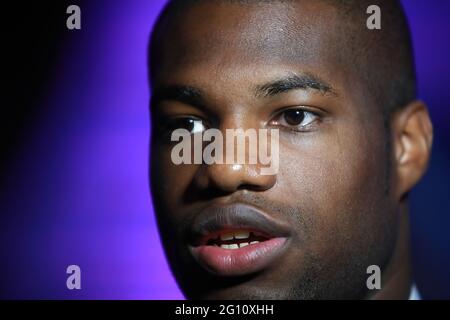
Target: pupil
{"type": "Point", "coordinates": [187, 124]}
{"type": "Point", "coordinates": [294, 117]}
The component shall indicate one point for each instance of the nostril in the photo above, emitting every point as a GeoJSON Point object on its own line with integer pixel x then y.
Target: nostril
{"type": "Point", "coordinates": [223, 177]}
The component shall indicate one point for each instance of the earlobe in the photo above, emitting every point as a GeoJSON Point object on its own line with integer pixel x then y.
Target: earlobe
{"type": "Point", "coordinates": [413, 136]}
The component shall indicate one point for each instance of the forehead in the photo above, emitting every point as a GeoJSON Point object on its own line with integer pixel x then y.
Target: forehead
{"type": "Point", "coordinates": [227, 33]}
{"type": "Point", "coordinates": [224, 47]}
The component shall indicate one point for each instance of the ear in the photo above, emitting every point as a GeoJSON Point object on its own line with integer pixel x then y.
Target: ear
{"type": "Point", "coordinates": [413, 135]}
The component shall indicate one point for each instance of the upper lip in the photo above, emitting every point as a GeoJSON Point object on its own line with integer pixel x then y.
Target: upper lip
{"type": "Point", "coordinates": [214, 219]}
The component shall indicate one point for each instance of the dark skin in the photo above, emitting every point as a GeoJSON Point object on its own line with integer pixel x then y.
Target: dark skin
{"type": "Point", "coordinates": [341, 191]}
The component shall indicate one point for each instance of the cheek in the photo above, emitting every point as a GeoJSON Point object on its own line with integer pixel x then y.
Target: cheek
{"type": "Point", "coordinates": [169, 181]}
{"type": "Point", "coordinates": [340, 176]}
{"type": "Point", "coordinates": [339, 185]}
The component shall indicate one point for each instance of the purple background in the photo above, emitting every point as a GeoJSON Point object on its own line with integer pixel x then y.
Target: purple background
{"type": "Point", "coordinates": [79, 188]}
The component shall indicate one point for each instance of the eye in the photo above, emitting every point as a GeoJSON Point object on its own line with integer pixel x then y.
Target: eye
{"type": "Point", "coordinates": [191, 124]}
{"type": "Point", "coordinates": [295, 119]}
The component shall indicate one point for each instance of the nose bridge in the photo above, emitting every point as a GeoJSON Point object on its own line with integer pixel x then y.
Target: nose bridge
{"type": "Point", "coordinates": [237, 116]}
{"type": "Point", "coordinates": [239, 127]}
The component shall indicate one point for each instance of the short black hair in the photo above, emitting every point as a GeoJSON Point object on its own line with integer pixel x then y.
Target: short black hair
{"type": "Point", "coordinates": [383, 58]}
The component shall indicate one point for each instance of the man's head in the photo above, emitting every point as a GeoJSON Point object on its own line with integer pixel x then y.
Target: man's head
{"type": "Point", "coordinates": [353, 141]}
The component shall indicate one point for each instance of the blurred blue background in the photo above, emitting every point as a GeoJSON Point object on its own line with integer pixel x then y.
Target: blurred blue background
{"type": "Point", "coordinates": [77, 190]}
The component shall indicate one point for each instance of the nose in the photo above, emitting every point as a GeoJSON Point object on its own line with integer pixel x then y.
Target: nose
{"type": "Point", "coordinates": [237, 175]}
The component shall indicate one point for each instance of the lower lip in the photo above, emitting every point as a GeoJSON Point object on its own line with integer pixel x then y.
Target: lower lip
{"type": "Point", "coordinates": [242, 261]}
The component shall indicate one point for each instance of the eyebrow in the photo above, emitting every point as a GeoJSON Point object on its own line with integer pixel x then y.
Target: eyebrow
{"type": "Point", "coordinates": [294, 82]}
{"type": "Point", "coordinates": [195, 97]}
{"type": "Point", "coordinates": [185, 94]}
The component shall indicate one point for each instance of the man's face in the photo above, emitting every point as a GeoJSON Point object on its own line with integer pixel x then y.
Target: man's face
{"type": "Point", "coordinates": [327, 214]}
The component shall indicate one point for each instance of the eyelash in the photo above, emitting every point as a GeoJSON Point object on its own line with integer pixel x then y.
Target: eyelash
{"type": "Point", "coordinates": [170, 125]}
{"type": "Point", "coordinates": [296, 128]}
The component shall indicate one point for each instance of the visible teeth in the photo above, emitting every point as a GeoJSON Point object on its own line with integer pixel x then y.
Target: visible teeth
{"type": "Point", "coordinates": [230, 246]}
{"type": "Point", "coordinates": [235, 235]}
{"type": "Point", "coordinates": [227, 236]}
{"type": "Point", "coordinates": [241, 234]}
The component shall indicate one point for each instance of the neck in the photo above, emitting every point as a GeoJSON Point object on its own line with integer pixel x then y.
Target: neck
{"type": "Point", "coordinates": [396, 278]}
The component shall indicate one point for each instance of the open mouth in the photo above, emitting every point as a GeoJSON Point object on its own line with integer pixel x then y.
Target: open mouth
{"type": "Point", "coordinates": [236, 240]}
